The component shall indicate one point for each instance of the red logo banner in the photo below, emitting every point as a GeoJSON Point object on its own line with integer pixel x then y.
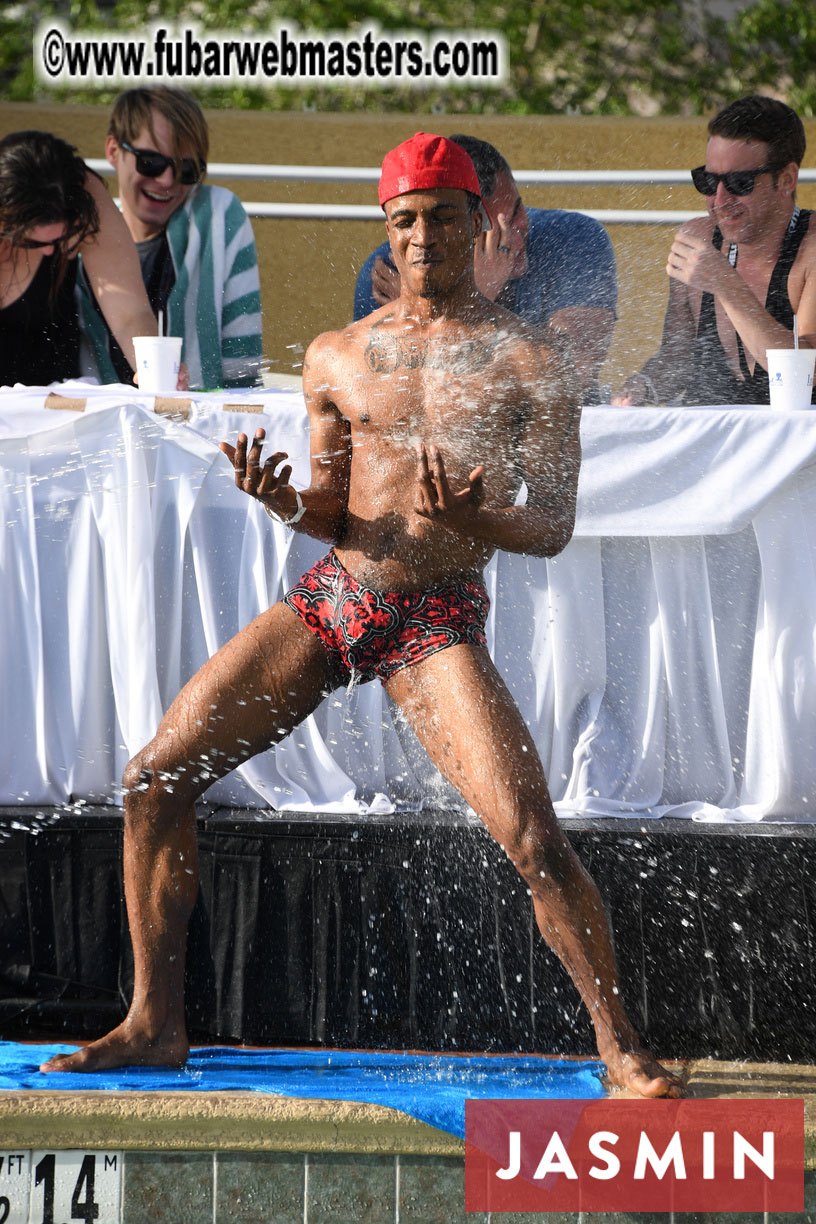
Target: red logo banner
{"type": "Point", "coordinates": [635, 1155]}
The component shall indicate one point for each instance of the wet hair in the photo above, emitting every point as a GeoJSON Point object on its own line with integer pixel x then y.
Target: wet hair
{"type": "Point", "coordinates": [133, 113]}
{"type": "Point", "coordinates": [42, 182]}
{"type": "Point", "coordinates": [487, 161]}
{"type": "Point", "coordinates": [765, 120]}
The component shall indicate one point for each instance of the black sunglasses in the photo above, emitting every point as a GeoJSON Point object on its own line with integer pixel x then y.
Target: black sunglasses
{"type": "Point", "coordinates": [35, 244]}
{"type": "Point", "coordinates": [736, 182]}
{"type": "Point", "coordinates": [150, 164]}
{"type": "Point", "coordinates": [31, 244]}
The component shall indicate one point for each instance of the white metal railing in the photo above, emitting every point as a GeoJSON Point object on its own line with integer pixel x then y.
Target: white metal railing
{"type": "Point", "coordinates": [254, 172]}
{"type": "Point", "coordinates": [372, 212]}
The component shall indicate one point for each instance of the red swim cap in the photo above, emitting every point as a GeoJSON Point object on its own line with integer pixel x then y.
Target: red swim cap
{"type": "Point", "coordinates": [424, 163]}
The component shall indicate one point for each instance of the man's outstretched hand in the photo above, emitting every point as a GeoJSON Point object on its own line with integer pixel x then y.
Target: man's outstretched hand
{"type": "Point", "coordinates": [261, 481]}
{"type": "Point", "coordinates": [435, 497]}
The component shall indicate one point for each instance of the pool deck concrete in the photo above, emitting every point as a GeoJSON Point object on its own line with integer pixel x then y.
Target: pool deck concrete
{"type": "Point", "coordinates": [258, 1122]}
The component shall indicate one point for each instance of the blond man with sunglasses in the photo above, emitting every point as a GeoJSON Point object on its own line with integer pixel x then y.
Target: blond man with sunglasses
{"type": "Point", "coordinates": [195, 242]}
{"type": "Point", "coordinates": [739, 275]}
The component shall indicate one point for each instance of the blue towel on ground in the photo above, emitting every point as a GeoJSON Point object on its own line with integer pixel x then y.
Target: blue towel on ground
{"type": "Point", "coordinates": [430, 1087]}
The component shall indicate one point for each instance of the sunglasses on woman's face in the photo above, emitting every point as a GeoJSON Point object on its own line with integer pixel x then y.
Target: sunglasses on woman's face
{"type": "Point", "coordinates": [735, 182]}
{"type": "Point", "coordinates": [31, 244]}
{"type": "Point", "coordinates": [36, 244]}
{"type": "Point", "coordinates": [151, 165]}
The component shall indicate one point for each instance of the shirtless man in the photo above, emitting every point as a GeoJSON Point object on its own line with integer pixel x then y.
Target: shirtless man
{"type": "Point", "coordinates": [739, 275]}
{"type": "Point", "coordinates": [552, 267]}
{"type": "Point", "coordinates": [403, 406]}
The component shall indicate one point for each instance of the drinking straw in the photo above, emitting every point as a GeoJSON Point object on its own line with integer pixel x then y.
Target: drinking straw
{"type": "Point", "coordinates": [161, 327]}
{"type": "Point", "coordinates": [795, 332]}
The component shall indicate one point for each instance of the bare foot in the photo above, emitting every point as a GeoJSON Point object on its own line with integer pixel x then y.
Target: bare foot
{"type": "Point", "coordinates": [636, 1071]}
{"type": "Point", "coordinates": [124, 1047]}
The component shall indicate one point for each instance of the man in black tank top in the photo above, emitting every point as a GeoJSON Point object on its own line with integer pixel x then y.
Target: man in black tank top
{"type": "Point", "coordinates": [740, 275]}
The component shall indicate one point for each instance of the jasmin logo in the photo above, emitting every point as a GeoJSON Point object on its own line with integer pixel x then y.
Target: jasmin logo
{"type": "Point", "coordinates": [627, 1155]}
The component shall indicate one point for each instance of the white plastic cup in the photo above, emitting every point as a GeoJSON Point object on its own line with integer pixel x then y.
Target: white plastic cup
{"type": "Point", "coordinates": [157, 362]}
{"type": "Point", "coordinates": [790, 378]}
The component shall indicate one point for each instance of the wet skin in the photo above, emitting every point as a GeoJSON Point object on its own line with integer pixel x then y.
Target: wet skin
{"type": "Point", "coordinates": [425, 418]}
{"type": "Point", "coordinates": [500, 256]}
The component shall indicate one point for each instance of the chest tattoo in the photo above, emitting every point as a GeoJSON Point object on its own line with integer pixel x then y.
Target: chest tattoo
{"type": "Point", "coordinates": [386, 354]}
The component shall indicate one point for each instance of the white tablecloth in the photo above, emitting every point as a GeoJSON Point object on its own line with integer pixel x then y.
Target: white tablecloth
{"type": "Point", "coordinates": [665, 661]}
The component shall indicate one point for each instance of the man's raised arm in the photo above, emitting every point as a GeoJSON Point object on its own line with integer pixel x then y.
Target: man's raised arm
{"type": "Point", "coordinates": [697, 264]}
{"type": "Point", "coordinates": [320, 510]}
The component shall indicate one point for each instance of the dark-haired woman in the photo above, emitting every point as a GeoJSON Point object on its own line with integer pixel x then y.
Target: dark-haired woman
{"type": "Point", "coordinates": [53, 208]}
